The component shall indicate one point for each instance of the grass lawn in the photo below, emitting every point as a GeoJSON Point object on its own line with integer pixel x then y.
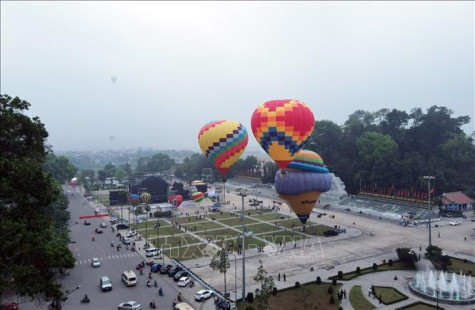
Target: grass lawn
{"type": "Point", "coordinates": [389, 295]}
{"type": "Point", "coordinates": [191, 252]}
{"type": "Point", "coordinates": [284, 236]}
{"type": "Point", "coordinates": [358, 300]}
{"type": "Point", "coordinates": [104, 199]}
{"type": "Point", "coordinates": [419, 306]}
{"type": "Point", "coordinates": [397, 265]}
{"type": "Point", "coordinates": [168, 242]}
{"type": "Point", "coordinates": [458, 264]}
{"type": "Point", "coordinates": [237, 221]}
{"type": "Point", "coordinates": [219, 216]}
{"type": "Point", "coordinates": [251, 243]}
{"type": "Point", "coordinates": [164, 231]}
{"type": "Point", "coordinates": [200, 226]}
{"type": "Point", "coordinates": [271, 217]}
{"type": "Point", "coordinates": [316, 297]}
{"type": "Point", "coordinates": [219, 234]}
{"type": "Point", "coordinates": [151, 223]}
{"type": "Point", "coordinates": [261, 228]}
{"type": "Point", "coordinates": [252, 212]}
{"type": "Point", "coordinates": [187, 219]}
{"type": "Point", "coordinates": [293, 221]}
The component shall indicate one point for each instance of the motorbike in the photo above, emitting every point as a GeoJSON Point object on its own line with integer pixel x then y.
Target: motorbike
{"type": "Point", "coordinates": [160, 292]}
{"type": "Point", "coordinates": [112, 244]}
{"type": "Point", "coordinates": [140, 266]}
{"type": "Point", "coordinates": [85, 299]}
{"type": "Point", "coordinates": [192, 283]}
{"type": "Point", "coordinates": [141, 272]}
{"type": "Point", "coordinates": [178, 297]}
{"type": "Point", "coordinates": [149, 284]}
{"type": "Point", "coordinates": [155, 283]}
{"type": "Point", "coordinates": [153, 305]}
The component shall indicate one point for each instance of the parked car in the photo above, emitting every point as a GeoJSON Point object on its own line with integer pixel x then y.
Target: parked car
{"type": "Point", "coordinates": [122, 226]}
{"type": "Point", "coordinates": [180, 274]}
{"type": "Point", "coordinates": [98, 231]}
{"type": "Point", "coordinates": [184, 281]}
{"type": "Point", "coordinates": [9, 306]}
{"type": "Point", "coordinates": [165, 269]}
{"type": "Point", "coordinates": [126, 241]}
{"type": "Point", "coordinates": [131, 233]}
{"type": "Point", "coordinates": [87, 222]}
{"type": "Point", "coordinates": [103, 225]}
{"type": "Point", "coordinates": [456, 222]}
{"type": "Point", "coordinates": [329, 233]}
{"type": "Point", "coordinates": [152, 252]}
{"type": "Point", "coordinates": [96, 262]}
{"type": "Point", "coordinates": [174, 270]}
{"type": "Point", "coordinates": [130, 305]}
{"type": "Point", "coordinates": [112, 220]}
{"type": "Point", "coordinates": [156, 267]}
{"type": "Point", "coordinates": [203, 295]}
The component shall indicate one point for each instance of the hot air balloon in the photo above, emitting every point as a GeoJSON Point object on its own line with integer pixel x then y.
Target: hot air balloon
{"type": "Point", "coordinates": [223, 142]}
{"type": "Point", "coordinates": [282, 127]}
{"type": "Point", "coordinates": [175, 200]}
{"type": "Point", "coordinates": [305, 180]}
{"type": "Point", "coordinates": [145, 197]}
{"type": "Point", "coordinates": [113, 79]}
{"type": "Point", "coordinates": [198, 196]}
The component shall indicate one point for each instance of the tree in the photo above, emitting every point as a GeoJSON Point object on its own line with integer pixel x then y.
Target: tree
{"type": "Point", "coordinates": [373, 146]}
{"type": "Point", "coordinates": [266, 285]}
{"type": "Point", "coordinates": [109, 170]}
{"type": "Point", "coordinates": [120, 174]}
{"type": "Point", "coordinates": [220, 262]}
{"type": "Point", "coordinates": [59, 167]}
{"type": "Point", "coordinates": [32, 253]}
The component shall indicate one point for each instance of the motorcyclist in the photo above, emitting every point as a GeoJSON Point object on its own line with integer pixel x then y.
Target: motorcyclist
{"type": "Point", "coordinates": [112, 244]}
{"type": "Point", "coordinates": [155, 283]}
{"type": "Point", "coordinates": [160, 291]}
{"type": "Point", "coordinates": [85, 298]}
{"type": "Point", "coordinates": [93, 238]}
{"type": "Point", "coordinates": [149, 283]}
{"type": "Point", "coordinates": [153, 305]}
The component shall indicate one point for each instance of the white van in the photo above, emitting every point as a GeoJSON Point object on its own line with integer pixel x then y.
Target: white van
{"type": "Point", "coordinates": [152, 252]}
{"type": "Point", "coordinates": [106, 284]}
{"type": "Point", "coordinates": [183, 306]}
{"type": "Point", "coordinates": [129, 278]}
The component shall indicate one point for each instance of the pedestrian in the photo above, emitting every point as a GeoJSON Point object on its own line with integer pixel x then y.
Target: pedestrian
{"type": "Point", "coordinates": [284, 277]}
{"type": "Point", "coordinates": [438, 234]}
{"type": "Point", "coordinates": [465, 238]}
{"type": "Point", "coordinates": [420, 247]}
{"type": "Point", "coordinates": [369, 292]}
{"type": "Point", "coordinates": [344, 293]}
{"type": "Point", "coordinates": [278, 277]}
{"type": "Point", "coordinates": [419, 256]}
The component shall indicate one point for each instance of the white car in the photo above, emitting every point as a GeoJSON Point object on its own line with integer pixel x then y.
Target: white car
{"type": "Point", "coordinates": [184, 281]}
{"type": "Point", "coordinates": [203, 295]}
{"type": "Point", "coordinates": [130, 305]}
{"type": "Point", "coordinates": [456, 222]}
{"type": "Point", "coordinates": [103, 225]}
{"type": "Point", "coordinates": [96, 262]}
{"type": "Point", "coordinates": [152, 252]}
{"type": "Point", "coordinates": [131, 233]}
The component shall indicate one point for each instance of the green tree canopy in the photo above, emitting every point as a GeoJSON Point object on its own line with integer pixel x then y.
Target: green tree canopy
{"type": "Point", "coordinates": [59, 167]}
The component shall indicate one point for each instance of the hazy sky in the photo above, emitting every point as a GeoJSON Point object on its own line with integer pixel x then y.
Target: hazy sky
{"type": "Point", "coordinates": [180, 65]}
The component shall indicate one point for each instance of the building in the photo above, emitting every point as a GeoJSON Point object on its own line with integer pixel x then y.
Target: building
{"type": "Point", "coordinates": [457, 201]}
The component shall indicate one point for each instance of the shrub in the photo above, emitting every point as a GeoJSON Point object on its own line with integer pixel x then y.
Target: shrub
{"type": "Point", "coordinates": [334, 282]}
{"type": "Point", "coordinates": [332, 299]}
{"type": "Point", "coordinates": [250, 307]}
{"type": "Point", "coordinates": [250, 297]}
{"type": "Point", "coordinates": [297, 284]}
{"type": "Point", "coordinates": [330, 290]}
{"type": "Point", "coordinates": [319, 280]}
{"type": "Point", "coordinates": [340, 308]}
{"type": "Point", "coordinates": [390, 262]}
{"type": "Point", "coordinates": [358, 270]}
{"type": "Point", "coordinates": [375, 266]}
{"type": "Point", "coordinates": [340, 274]}
{"type": "Point", "coordinates": [274, 291]}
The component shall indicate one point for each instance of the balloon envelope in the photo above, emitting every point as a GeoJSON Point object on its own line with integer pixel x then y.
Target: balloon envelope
{"type": "Point", "coordinates": [296, 182]}
{"type": "Point", "coordinates": [307, 160]}
{"type": "Point", "coordinates": [176, 200]}
{"type": "Point", "coordinates": [223, 142]}
{"type": "Point", "coordinates": [302, 204]}
{"type": "Point", "coordinates": [145, 197]}
{"type": "Point", "coordinates": [198, 196]}
{"type": "Point", "coordinates": [282, 127]}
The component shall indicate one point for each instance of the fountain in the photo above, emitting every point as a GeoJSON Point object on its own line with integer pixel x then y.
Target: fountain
{"type": "Point", "coordinates": [434, 285]}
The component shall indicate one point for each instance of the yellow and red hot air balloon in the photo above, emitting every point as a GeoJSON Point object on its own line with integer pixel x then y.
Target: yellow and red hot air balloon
{"type": "Point", "coordinates": [282, 127]}
{"type": "Point", "coordinates": [223, 142]}
{"type": "Point", "coordinates": [306, 179]}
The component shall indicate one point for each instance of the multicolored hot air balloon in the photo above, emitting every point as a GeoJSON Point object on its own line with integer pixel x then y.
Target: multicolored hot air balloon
{"type": "Point", "coordinates": [198, 196]}
{"type": "Point", "coordinates": [145, 197]}
{"type": "Point", "coordinates": [306, 178]}
{"type": "Point", "coordinates": [282, 127]}
{"type": "Point", "coordinates": [175, 200]}
{"type": "Point", "coordinates": [223, 142]}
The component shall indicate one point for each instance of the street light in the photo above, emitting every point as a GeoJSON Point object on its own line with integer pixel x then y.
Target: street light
{"type": "Point", "coordinates": [437, 294]}
{"type": "Point", "coordinates": [243, 194]}
{"type": "Point", "coordinates": [235, 278]}
{"type": "Point", "coordinates": [428, 178]}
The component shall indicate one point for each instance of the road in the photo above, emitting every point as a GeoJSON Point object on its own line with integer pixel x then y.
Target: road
{"type": "Point", "coordinates": [113, 263]}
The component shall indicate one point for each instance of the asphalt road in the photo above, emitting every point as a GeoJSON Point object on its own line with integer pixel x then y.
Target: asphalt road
{"type": "Point", "coordinates": [113, 263]}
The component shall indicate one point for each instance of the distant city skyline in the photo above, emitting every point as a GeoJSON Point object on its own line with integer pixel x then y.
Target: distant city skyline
{"type": "Point", "coordinates": [124, 75]}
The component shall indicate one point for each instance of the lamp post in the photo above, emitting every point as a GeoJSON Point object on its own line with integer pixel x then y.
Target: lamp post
{"type": "Point", "coordinates": [437, 294]}
{"type": "Point", "coordinates": [235, 278]}
{"type": "Point", "coordinates": [428, 178]}
{"type": "Point", "coordinates": [243, 194]}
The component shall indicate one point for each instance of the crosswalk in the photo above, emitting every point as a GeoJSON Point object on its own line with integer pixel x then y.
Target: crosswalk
{"type": "Point", "coordinates": [108, 257]}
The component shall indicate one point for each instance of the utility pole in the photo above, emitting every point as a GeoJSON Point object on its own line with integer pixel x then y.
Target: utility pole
{"type": "Point", "coordinates": [243, 194]}
{"type": "Point", "coordinates": [428, 178]}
